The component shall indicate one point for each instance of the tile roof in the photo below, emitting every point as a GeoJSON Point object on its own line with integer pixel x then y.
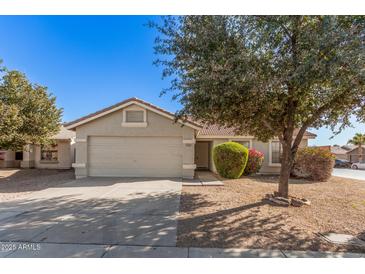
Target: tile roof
{"type": "Point", "coordinates": [354, 147]}
{"type": "Point", "coordinates": [348, 147]}
{"type": "Point", "coordinates": [338, 150]}
{"type": "Point", "coordinates": [64, 134]}
{"type": "Point", "coordinates": [216, 130]}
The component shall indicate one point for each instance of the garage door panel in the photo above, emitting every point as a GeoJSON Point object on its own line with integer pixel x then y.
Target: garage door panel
{"type": "Point", "coordinates": [135, 156]}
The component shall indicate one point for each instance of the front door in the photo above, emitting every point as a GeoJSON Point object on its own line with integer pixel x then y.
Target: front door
{"type": "Point", "coordinates": [202, 155]}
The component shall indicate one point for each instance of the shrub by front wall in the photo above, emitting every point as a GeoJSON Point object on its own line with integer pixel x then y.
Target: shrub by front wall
{"type": "Point", "coordinates": [314, 163]}
{"type": "Point", "coordinates": [254, 162]}
{"type": "Point", "coordinates": [230, 159]}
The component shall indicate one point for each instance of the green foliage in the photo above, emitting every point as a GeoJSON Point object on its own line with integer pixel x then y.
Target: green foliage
{"type": "Point", "coordinates": [258, 73]}
{"type": "Point", "coordinates": [28, 113]}
{"type": "Point", "coordinates": [254, 162]}
{"type": "Point", "coordinates": [230, 159]}
{"type": "Point", "coordinates": [314, 163]}
{"type": "Point", "coordinates": [357, 140]}
{"type": "Point", "coordinates": [266, 76]}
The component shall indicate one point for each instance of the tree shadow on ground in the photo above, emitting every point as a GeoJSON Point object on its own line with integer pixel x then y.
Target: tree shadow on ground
{"type": "Point", "coordinates": [147, 220]}
{"type": "Point", "coordinates": [25, 180]}
{"type": "Point", "coordinates": [274, 179]}
{"type": "Point", "coordinates": [245, 227]}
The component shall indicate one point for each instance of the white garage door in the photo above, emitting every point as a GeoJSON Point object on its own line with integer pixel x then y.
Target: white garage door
{"type": "Point", "coordinates": [135, 156]}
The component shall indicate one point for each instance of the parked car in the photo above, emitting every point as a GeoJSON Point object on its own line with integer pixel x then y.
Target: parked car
{"type": "Point", "coordinates": [358, 165]}
{"type": "Point", "coordinates": [342, 163]}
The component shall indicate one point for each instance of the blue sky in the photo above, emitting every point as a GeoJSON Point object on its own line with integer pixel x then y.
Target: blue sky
{"type": "Point", "coordinates": [91, 62]}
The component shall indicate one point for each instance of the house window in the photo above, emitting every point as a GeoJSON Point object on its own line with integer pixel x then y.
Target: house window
{"type": "Point", "coordinates": [244, 143]}
{"type": "Point", "coordinates": [19, 155]}
{"type": "Point", "coordinates": [49, 153]}
{"type": "Point", "coordinates": [134, 116]}
{"type": "Point", "coordinates": [276, 151]}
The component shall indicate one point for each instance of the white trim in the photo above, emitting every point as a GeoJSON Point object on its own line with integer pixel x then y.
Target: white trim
{"type": "Point", "coordinates": [134, 108]}
{"type": "Point", "coordinates": [224, 137]}
{"type": "Point", "coordinates": [238, 137]}
{"type": "Point", "coordinates": [167, 115]}
{"type": "Point", "coordinates": [134, 124]}
{"type": "Point", "coordinates": [241, 140]}
{"type": "Point", "coordinates": [127, 124]}
{"type": "Point", "coordinates": [189, 166]}
{"type": "Point", "coordinates": [80, 140]}
{"type": "Point", "coordinates": [128, 104]}
{"type": "Point", "coordinates": [189, 141]}
{"type": "Point", "coordinates": [79, 165]}
{"type": "Point", "coordinates": [270, 154]}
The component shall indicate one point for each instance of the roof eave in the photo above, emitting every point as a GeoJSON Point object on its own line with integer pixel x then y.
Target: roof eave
{"type": "Point", "coordinates": [86, 119]}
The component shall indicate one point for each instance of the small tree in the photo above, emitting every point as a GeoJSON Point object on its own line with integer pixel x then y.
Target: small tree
{"type": "Point", "coordinates": [358, 140]}
{"type": "Point", "coordinates": [267, 76]}
{"type": "Point", "coordinates": [28, 113]}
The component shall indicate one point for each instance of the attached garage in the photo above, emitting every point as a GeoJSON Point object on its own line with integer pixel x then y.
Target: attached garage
{"type": "Point", "coordinates": [134, 139]}
{"type": "Point", "coordinates": [135, 156]}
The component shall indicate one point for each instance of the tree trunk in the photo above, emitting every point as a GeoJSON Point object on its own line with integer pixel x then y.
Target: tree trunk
{"type": "Point", "coordinates": [286, 166]}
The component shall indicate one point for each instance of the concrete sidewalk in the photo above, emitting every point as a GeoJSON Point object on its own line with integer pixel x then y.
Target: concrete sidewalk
{"type": "Point", "coordinates": [58, 250]}
{"type": "Point", "coordinates": [349, 173]}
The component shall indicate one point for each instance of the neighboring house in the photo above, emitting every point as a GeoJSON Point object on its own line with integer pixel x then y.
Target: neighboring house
{"type": "Point", "coordinates": [353, 155]}
{"type": "Point", "coordinates": [348, 147]}
{"type": "Point", "coordinates": [136, 139]}
{"type": "Point", "coordinates": [57, 156]}
{"type": "Point", "coordinates": [339, 152]}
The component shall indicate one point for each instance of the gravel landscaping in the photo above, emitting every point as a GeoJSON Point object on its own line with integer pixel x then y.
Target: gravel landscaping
{"type": "Point", "coordinates": [234, 215]}
{"type": "Point", "coordinates": [16, 183]}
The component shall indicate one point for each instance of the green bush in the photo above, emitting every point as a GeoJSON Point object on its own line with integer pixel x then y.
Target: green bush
{"type": "Point", "coordinates": [230, 159]}
{"type": "Point", "coordinates": [313, 163]}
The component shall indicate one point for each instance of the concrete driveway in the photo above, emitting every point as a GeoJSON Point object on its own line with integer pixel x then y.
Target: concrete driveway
{"type": "Point", "coordinates": [349, 173]}
{"type": "Point", "coordinates": [101, 211]}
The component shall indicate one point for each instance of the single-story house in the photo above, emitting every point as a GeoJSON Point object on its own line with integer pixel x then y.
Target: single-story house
{"type": "Point", "coordinates": [137, 139]}
{"type": "Point", "coordinates": [339, 152]}
{"type": "Point", "coordinates": [353, 155]}
{"type": "Point", "coordinates": [60, 155]}
{"type": "Point", "coordinates": [348, 147]}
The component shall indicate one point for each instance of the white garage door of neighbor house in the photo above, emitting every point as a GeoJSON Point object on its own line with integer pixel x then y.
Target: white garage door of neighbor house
{"type": "Point", "coordinates": [135, 156]}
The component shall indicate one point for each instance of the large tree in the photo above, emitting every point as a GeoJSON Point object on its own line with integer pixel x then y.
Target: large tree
{"type": "Point", "coordinates": [267, 76]}
{"type": "Point", "coordinates": [28, 112]}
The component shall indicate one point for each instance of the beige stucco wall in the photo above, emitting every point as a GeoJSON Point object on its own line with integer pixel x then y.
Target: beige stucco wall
{"type": "Point", "coordinates": [353, 156]}
{"type": "Point", "coordinates": [64, 157]}
{"type": "Point", "coordinates": [258, 145]}
{"type": "Point", "coordinates": [110, 125]}
{"type": "Point", "coordinates": [9, 159]}
{"type": "Point", "coordinates": [32, 157]}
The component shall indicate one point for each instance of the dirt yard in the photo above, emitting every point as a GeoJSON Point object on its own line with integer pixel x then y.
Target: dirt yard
{"type": "Point", "coordinates": [234, 215]}
{"type": "Point", "coordinates": [16, 183]}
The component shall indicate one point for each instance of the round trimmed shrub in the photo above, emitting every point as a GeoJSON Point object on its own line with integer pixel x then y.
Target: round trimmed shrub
{"type": "Point", "coordinates": [230, 159]}
{"type": "Point", "coordinates": [254, 162]}
{"type": "Point", "coordinates": [313, 163]}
